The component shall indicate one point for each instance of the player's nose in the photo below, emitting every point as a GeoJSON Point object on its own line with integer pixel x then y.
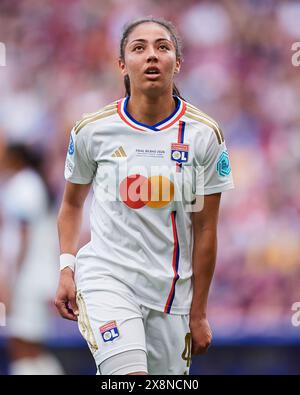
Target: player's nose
{"type": "Point", "coordinates": [151, 56]}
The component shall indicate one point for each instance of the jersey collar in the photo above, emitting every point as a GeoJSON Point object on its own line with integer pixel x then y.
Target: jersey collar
{"type": "Point", "coordinates": [166, 123]}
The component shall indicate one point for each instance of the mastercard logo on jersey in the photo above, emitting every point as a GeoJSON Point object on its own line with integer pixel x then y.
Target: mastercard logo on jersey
{"type": "Point", "coordinates": [109, 331]}
{"type": "Point", "coordinates": [137, 191]}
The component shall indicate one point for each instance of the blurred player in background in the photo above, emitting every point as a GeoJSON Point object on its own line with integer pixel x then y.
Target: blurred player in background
{"type": "Point", "coordinates": [3, 266]}
{"type": "Point", "coordinates": [142, 285]}
{"type": "Point", "coordinates": [27, 219]}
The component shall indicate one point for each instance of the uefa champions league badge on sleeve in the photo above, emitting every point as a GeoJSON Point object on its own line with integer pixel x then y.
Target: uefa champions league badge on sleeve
{"type": "Point", "coordinates": [109, 331]}
{"type": "Point", "coordinates": [179, 152]}
{"type": "Point", "coordinates": [71, 146]}
{"type": "Point", "coordinates": [223, 164]}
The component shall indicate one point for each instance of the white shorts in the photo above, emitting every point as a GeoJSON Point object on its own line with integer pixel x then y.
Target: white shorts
{"type": "Point", "coordinates": [114, 323]}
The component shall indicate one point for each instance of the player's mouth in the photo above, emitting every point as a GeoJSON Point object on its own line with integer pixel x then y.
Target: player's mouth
{"type": "Point", "coordinates": [152, 72]}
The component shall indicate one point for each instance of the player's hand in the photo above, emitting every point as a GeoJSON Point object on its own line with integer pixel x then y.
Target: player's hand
{"type": "Point", "coordinates": [65, 299]}
{"type": "Point", "coordinates": [201, 335]}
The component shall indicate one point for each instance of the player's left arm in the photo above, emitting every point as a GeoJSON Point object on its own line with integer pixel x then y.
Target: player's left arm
{"type": "Point", "coordinates": [204, 257]}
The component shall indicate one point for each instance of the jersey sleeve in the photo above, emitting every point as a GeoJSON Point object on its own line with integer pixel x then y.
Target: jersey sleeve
{"type": "Point", "coordinates": [215, 173]}
{"type": "Point", "coordinates": [79, 166]}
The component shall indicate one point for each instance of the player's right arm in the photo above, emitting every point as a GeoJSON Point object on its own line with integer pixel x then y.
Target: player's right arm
{"type": "Point", "coordinates": [80, 168]}
{"type": "Point", "coordinates": [69, 224]}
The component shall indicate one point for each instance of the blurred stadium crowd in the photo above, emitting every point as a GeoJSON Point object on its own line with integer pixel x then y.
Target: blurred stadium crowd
{"type": "Point", "coordinates": [62, 62]}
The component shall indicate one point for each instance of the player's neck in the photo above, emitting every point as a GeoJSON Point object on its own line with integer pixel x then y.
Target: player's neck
{"type": "Point", "coordinates": [150, 110]}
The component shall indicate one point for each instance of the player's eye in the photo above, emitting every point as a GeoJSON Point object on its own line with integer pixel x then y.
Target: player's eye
{"type": "Point", "coordinates": [164, 47]}
{"type": "Point", "coordinates": [138, 48]}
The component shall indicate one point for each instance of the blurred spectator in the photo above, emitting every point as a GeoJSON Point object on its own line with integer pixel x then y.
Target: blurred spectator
{"type": "Point", "coordinates": [31, 245]}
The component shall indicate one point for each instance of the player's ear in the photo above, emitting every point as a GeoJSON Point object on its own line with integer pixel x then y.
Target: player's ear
{"type": "Point", "coordinates": [122, 67]}
{"type": "Point", "coordinates": [177, 66]}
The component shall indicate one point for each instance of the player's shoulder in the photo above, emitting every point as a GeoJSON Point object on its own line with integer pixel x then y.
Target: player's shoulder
{"type": "Point", "coordinates": [102, 114]}
{"type": "Point", "coordinates": [203, 122]}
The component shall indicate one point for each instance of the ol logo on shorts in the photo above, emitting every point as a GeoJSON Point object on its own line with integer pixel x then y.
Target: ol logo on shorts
{"type": "Point", "coordinates": [109, 331]}
{"type": "Point", "coordinates": [137, 191]}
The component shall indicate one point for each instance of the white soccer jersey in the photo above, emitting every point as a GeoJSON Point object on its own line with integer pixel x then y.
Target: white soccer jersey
{"type": "Point", "coordinates": [145, 179]}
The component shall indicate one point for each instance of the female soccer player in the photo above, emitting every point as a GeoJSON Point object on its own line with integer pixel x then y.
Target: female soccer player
{"type": "Point", "coordinates": [139, 288]}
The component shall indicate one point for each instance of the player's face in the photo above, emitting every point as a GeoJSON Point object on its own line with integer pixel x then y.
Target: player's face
{"type": "Point", "coordinates": [150, 59]}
